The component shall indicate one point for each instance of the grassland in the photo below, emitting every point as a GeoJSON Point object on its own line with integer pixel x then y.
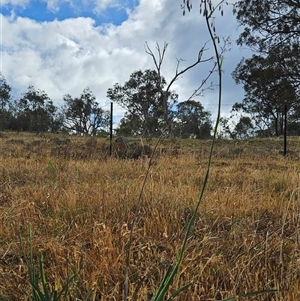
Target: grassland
{"type": "Point", "coordinates": [80, 204]}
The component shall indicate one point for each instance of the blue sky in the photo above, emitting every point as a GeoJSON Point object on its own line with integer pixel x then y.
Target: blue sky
{"type": "Point", "coordinates": [64, 46]}
{"type": "Point", "coordinates": [40, 11]}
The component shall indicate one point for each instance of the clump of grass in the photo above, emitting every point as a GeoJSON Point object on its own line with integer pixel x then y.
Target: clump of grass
{"type": "Point", "coordinates": [41, 289]}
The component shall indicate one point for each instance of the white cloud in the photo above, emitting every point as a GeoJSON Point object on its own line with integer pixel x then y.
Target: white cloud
{"type": "Point", "coordinates": [54, 5]}
{"type": "Point", "coordinates": [101, 5]}
{"type": "Point", "coordinates": [63, 57]}
{"type": "Point", "coordinates": [22, 3]}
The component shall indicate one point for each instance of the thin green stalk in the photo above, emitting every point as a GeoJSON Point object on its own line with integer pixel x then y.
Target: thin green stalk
{"type": "Point", "coordinates": [38, 281]}
{"type": "Point", "coordinates": [251, 294]}
{"type": "Point", "coordinates": [172, 271]}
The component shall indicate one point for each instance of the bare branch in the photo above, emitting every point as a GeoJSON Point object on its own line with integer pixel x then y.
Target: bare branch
{"type": "Point", "coordinates": [161, 55]}
{"type": "Point", "coordinates": [198, 61]}
{"type": "Point", "coordinates": [203, 83]}
{"type": "Point", "coordinates": [158, 63]}
{"type": "Point", "coordinates": [224, 48]}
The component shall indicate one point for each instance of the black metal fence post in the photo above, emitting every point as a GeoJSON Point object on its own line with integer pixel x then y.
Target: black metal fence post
{"type": "Point", "coordinates": [285, 131]}
{"type": "Point", "coordinates": [111, 128]}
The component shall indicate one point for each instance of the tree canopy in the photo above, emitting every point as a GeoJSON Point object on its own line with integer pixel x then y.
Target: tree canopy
{"type": "Point", "coordinates": [267, 91]}
{"type": "Point", "coordinates": [271, 76]}
{"type": "Point", "coordinates": [83, 115]}
{"type": "Point", "coordinates": [273, 31]}
{"type": "Point", "coordinates": [141, 96]}
{"type": "Point", "coordinates": [192, 120]}
{"type": "Point", "coordinates": [35, 112]}
{"type": "Point", "coordinates": [269, 24]}
{"type": "Point", "coordinates": [142, 99]}
{"type": "Point", "coordinates": [5, 96]}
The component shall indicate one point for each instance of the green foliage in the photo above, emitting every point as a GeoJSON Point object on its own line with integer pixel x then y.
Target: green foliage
{"type": "Point", "coordinates": [244, 128]}
{"type": "Point", "coordinates": [4, 93]}
{"type": "Point", "coordinates": [192, 120]}
{"type": "Point", "coordinates": [275, 23]}
{"type": "Point", "coordinates": [267, 91]}
{"type": "Point", "coordinates": [142, 98]}
{"type": "Point", "coordinates": [4, 103]}
{"type": "Point", "coordinates": [270, 77]}
{"type": "Point", "coordinates": [83, 115]}
{"type": "Point", "coordinates": [35, 112]}
{"type": "Point", "coordinates": [41, 290]}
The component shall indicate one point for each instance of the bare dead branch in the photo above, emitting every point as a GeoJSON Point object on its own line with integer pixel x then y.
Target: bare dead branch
{"type": "Point", "coordinates": [224, 48]}
{"type": "Point", "coordinates": [161, 55]}
{"type": "Point", "coordinates": [203, 83]}
{"type": "Point", "coordinates": [158, 63]}
{"type": "Point", "coordinates": [198, 61]}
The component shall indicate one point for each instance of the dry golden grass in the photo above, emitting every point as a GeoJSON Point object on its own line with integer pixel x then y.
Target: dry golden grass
{"type": "Point", "coordinates": [80, 204]}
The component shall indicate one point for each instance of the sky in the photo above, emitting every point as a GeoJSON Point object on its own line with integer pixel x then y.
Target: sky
{"type": "Point", "coordinates": [65, 46]}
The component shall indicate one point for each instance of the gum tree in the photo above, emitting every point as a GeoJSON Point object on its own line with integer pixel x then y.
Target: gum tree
{"type": "Point", "coordinates": [271, 76]}
{"type": "Point", "coordinates": [275, 24]}
{"type": "Point", "coordinates": [35, 112]}
{"type": "Point", "coordinates": [144, 98]}
{"type": "Point", "coordinates": [268, 93]}
{"type": "Point", "coordinates": [5, 96]}
{"type": "Point", "coordinates": [83, 115]}
{"type": "Point", "coordinates": [192, 120]}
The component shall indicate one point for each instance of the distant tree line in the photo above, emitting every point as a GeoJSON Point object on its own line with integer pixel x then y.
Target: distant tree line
{"type": "Point", "coordinates": [142, 101]}
{"type": "Point", "coordinates": [34, 111]}
{"type": "Point", "coordinates": [140, 97]}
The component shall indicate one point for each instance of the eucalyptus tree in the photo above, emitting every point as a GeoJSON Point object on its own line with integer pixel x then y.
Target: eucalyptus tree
{"type": "Point", "coordinates": [271, 77]}
{"type": "Point", "coordinates": [35, 112]}
{"type": "Point", "coordinates": [268, 93]}
{"type": "Point", "coordinates": [5, 97]}
{"type": "Point", "coordinates": [143, 97]}
{"type": "Point", "coordinates": [269, 24]}
{"type": "Point", "coordinates": [83, 115]}
{"type": "Point", "coordinates": [191, 120]}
